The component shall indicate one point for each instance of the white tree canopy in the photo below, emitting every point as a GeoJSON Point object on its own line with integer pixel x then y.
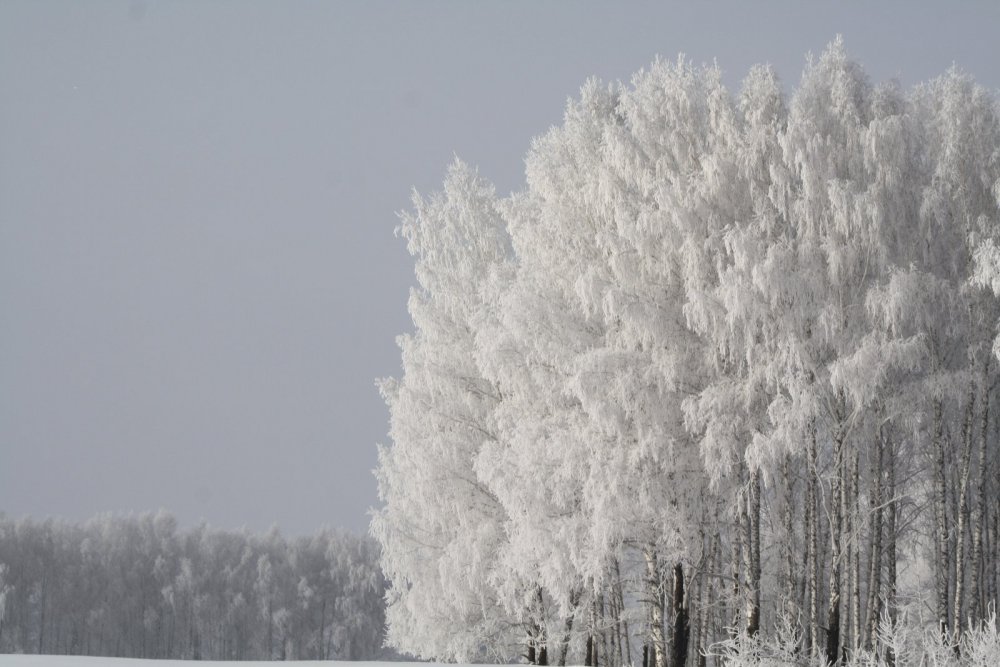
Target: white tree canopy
{"type": "Point", "coordinates": [714, 333]}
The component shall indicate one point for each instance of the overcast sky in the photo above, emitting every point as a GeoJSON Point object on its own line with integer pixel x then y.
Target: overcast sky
{"type": "Point", "coordinates": [199, 281]}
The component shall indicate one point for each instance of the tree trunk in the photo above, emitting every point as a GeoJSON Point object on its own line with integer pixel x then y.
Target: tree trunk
{"type": "Point", "coordinates": [621, 605]}
{"type": "Point", "coordinates": [993, 509]}
{"type": "Point", "coordinates": [856, 551]}
{"type": "Point", "coordinates": [41, 622]}
{"type": "Point", "coordinates": [541, 650]}
{"type": "Point", "coordinates": [963, 517]}
{"type": "Point", "coordinates": [602, 628]}
{"type": "Point", "coordinates": [992, 574]}
{"type": "Point", "coordinates": [574, 601]}
{"type": "Point", "coordinates": [837, 500]}
{"type": "Point", "coordinates": [985, 580]}
{"type": "Point", "coordinates": [788, 518]}
{"type": "Point", "coordinates": [270, 628]}
{"type": "Point", "coordinates": [741, 557]}
{"type": "Point", "coordinates": [979, 506]}
{"type": "Point", "coordinates": [890, 548]}
{"type": "Point", "coordinates": [654, 591]}
{"type": "Point", "coordinates": [753, 569]}
{"type": "Point", "coordinates": [682, 629]}
{"type": "Point", "coordinates": [592, 636]}
{"type": "Point", "coordinates": [615, 636]}
{"type": "Point", "coordinates": [812, 559]}
{"type": "Point", "coordinates": [875, 561]}
{"type": "Point", "coordinates": [940, 520]}
{"type": "Point", "coordinates": [704, 602]}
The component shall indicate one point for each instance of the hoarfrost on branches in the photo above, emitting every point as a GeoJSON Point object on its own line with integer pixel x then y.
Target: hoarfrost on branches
{"type": "Point", "coordinates": [724, 368]}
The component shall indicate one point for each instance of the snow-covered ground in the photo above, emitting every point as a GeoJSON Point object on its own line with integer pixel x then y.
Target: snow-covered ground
{"type": "Point", "coordinates": [11, 660]}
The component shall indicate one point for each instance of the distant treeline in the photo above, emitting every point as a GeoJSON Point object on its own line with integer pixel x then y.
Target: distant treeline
{"type": "Point", "coordinates": [138, 587]}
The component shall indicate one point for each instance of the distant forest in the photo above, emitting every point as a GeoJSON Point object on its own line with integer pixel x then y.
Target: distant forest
{"type": "Point", "coordinates": [139, 587]}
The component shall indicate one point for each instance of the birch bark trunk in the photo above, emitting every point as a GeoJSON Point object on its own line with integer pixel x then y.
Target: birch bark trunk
{"type": "Point", "coordinates": [940, 520]}
{"type": "Point", "coordinates": [654, 592]}
{"type": "Point", "coordinates": [837, 500]}
{"type": "Point", "coordinates": [875, 560]}
{"type": "Point", "coordinates": [812, 561]}
{"type": "Point", "coordinates": [855, 549]}
{"type": "Point", "coordinates": [890, 548]}
{"type": "Point", "coordinates": [979, 506]}
{"type": "Point", "coordinates": [963, 516]}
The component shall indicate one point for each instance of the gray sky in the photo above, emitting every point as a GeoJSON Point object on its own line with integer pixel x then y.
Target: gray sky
{"type": "Point", "coordinates": [199, 280]}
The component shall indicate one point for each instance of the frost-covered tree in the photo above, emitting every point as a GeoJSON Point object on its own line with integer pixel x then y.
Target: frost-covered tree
{"type": "Point", "coordinates": [441, 526]}
{"type": "Point", "coordinates": [739, 343]}
{"type": "Point", "coordinates": [958, 211]}
{"type": "Point", "coordinates": [662, 145]}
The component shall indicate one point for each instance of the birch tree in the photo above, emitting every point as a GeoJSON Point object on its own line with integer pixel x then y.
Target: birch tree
{"type": "Point", "coordinates": [441, 525]}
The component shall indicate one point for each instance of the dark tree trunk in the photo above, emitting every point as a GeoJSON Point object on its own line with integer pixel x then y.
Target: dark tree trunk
{"type": "Point", "coordinates": [753, 562]}
{"type": "Point", "coordinates": [890, 549]}
{"type": "Point", "coordinates": [856, 550]}
{"type": "Point", "coordinates": [788, 520]}
{"type": "Point", "coordinates": [621, 605]}
{"type": "Point", "coordinates": [574, 600]}
{"type": "Point", "coordinates": [838, 501]}
{"type": "Point", "coordinates": [682, 627]}
{"type": "Point", "coordinates": [541, 648]}
{"type": "Point", "coordinates": [875, 560]}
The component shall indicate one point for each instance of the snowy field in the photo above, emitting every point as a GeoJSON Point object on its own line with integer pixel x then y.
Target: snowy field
{"type": "Point", "coordinates": [11, 660]}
